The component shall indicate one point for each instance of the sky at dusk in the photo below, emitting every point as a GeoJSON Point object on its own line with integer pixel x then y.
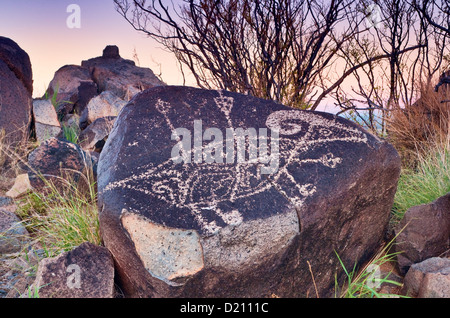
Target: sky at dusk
{"type": "Point", "coordinates": [40, 28]}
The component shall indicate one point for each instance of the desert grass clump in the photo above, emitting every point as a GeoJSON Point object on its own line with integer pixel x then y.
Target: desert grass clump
{"type": "Point", "coordinates": [424, 183]}
{"type": "Point", "coordinates": [366, 281]}
{"type": "Point", "coordinates": [12, 155]}
{"type": "Point", "coordinates": [64, 214]}
{"type": "Point", "coordinates": [71, 133]}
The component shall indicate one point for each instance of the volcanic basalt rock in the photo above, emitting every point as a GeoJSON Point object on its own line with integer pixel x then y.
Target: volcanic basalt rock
{"type": "Point", "coordinates": [216, 194]}
{"type": "Point", "coordinates": [15, 91]}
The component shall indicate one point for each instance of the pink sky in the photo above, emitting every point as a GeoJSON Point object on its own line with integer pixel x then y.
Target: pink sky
{"type": "Point", "coordinates": [40, 28]}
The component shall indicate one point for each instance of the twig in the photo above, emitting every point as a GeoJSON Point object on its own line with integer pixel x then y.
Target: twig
{"type": "Point", "coordinates": [314, 281]}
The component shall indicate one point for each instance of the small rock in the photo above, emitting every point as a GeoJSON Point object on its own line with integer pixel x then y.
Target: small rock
{"type": "Point", "coordinates": [13, 234]}
{"type": "Point", "coordinates": [86, 91]}
{"type": "Point", "coordinates": [45, 120]}
{"type": "Point", "coordinates": [21, 186]}
{"type": "Point", "coordinates": [19, 288]}
{"type": "Point", "coordinates": [85, 272]}
{"type": "Point", "coordinates": [66, 83]}
{"type": "Point", "coordinates": [56, 158]}
{"type": "Point", "coordinates": [5, 201]}
{"type": "Point", "coordinates": [105, 105]}
{"type": "Point", "coordinates": [95, 133]}
{"type": "Point", "coordinates": [112, 73]}
{"type": "Point", "coordinates": [111, 52]}
{"type": "Point", "coordinates": [423, 232]}
{"type": "Point", "coordinates": [429, 279]}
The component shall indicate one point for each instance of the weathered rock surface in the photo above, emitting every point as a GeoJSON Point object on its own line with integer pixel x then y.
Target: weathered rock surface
{"type": "Point", "coordinates": [46, 123]}
{"type": "Point", "coordinates": [240, 228]}
{"type": "Point", "coordinates": [13, 234]}
{"type": "Point", "coordinates": [18, 270]}
{"type": "Point", "coordinates": [424, 232]}
{"type": "Point", "coordinates": [17, 61]}
{"type": "Point", "coordinates": [429, 279]}
{"type": "Point", "coordinates": [85, 272]}
{"type": "Point", "coordinates": [86, 91]}
{"type": "Point", "coordinates": [107, 104]}
{"type": "Point", "coordinates": [15, 106]}
{"type": "Point", "coordinates": [56, 158]}
{"type": "Point", "coordinates": [65, 84]}
{"type": "Point", "coordinates": [21, 186]}
{"type": "Point", "coordinates": [118, 75]}
{"type": "Point", "coordinates": [4, 201]}
{"type": "Point", "coordinates": [94, 136]}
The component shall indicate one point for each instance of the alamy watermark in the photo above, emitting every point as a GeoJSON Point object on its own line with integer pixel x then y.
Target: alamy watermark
{"type": "Point", "coordinates": [246, 146]}
{"type": "Point", "coordinates": [374, 276]}
{"type": "Point", "coordinates": [74, 19]}
{"type": "Point", "coordinates": [74, 279]}
{"type": "Point", "coordinates": [373, 15]}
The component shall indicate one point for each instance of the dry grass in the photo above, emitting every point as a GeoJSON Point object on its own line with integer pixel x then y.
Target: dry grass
{"type": "Point", "coordinates": [63, 216]}
{"type": "Point", "coordinates": [425, 124]}
{"type": "Point", "coordinates": [12, 157]}
{"type": "Point", "coordinates": [61, 213]}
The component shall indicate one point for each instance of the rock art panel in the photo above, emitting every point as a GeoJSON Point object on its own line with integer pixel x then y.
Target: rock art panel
{"type": "Point", "coordinates": [264, 188]}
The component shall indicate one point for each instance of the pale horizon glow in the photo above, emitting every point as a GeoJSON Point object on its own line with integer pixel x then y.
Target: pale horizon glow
{"type": "Point", "coordinates": [39, 27]}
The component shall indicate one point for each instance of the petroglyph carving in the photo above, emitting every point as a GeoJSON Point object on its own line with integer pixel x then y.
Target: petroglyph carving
{"type": "Point", "coordinates": [200, 186]}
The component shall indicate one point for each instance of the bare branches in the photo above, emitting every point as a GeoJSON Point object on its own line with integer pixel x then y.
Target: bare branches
{"type": "Point", "coordinates": [433, 11]}
{"type": "Point", "coordinates": [274, 49]}
{"type": "Point", "coordinates": [300, 52]}
{"type": "Point", "coordinates": [413, 52]}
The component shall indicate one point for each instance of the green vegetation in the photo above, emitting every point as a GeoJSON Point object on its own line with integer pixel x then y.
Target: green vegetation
{"type": "Point", "coordinates": [54, 98]}
{"type": "Point", "coordinates": [366, 282]}
{"type": "Point", "coordinates": [71, 133]}
{"type": "Point", "coordinates": [425, 183]}
{"type": "Point", "coordinates": [63, 215]}
{"type": "Point", "coordinates": [68, 131]}
{"type": "Point", "coordinates": [420, 134]}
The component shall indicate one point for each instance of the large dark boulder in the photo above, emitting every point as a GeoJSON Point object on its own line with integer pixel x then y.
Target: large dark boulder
{"type": "Point", "coordinates": [249, 226]}
{"type": "Point", "coordinates": [17, 61]}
